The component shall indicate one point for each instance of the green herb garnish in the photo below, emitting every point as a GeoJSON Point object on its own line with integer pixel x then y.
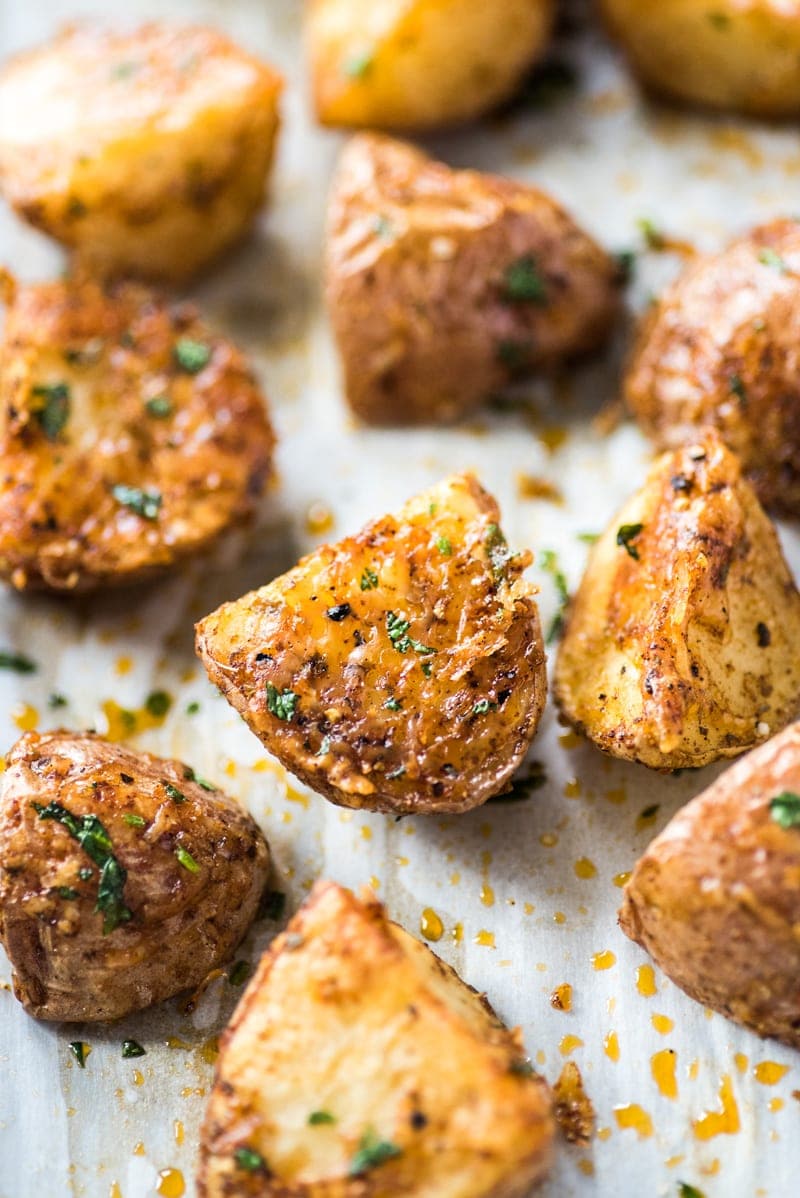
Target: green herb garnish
{"type": "Point", "coordinates": [369, 580]}
{"type": "Point", "coordinates": [18, 662]}
{"type": "Point", "coordinates": [176, 795]}
{"type": "Point", "coordinates": [160, 407]}
{"type": "Point", "coordinates": [80, 1051]}
{"type": "Point", "coordinates": [397, 628]}
{"type": "Point", "coordinates": [145, 503]}
{"type": "Point", "coordinates": [768, 257]}
{"type": "Point", "coordinates": [191, 355]}
{"type": "Point", "coordinates": [249, 1160]}
{"type": "Point", "coordinates": [239, 974]}
{"type": "Point", "coordinates": [187, 860]}
{"type": "Point", "coordinates": [521, 1068]}
{"type": "Point", "coordinates": [684, 1189]}
{"type": "Point", "coordinates": [549, 563]}
{"type": "Point", "coordinates": [497, 550]}
{"type": "Point", "coordinates": [67, 892]}
{"type": "Point", "coordinates": [523, 283]}
{"type": "Point", "coordinates": [626, 535]}
{"type": "Point", "coordinates": [273, 904]}
{"type": "Point", "coordinates": [193, 707]}
{"type": "Point", "coordinates": [482, 706]}
{"type": "Point", "coordinates": [444, 546]}
{"type": "Point", "coordinates": [785, 809]}
{"type": "Point", "coordinates": [57, 700]}
{"type": "Point", "coordinates": [96, 843]}
{"type": "Point", "coordinates": [393, 705]}
{"type": "Point", "coordinates": [318, 1117]}
{"type": "Point", "coordinates": [653, 238]}
{"type": "Point", "coordinates": [135, 821]}
{"type": "Point", "coordinates": [281, 703]}
{"type": "Point", "coordinates": [371, 1153]}
{"type": "Point", "coordinates": [132, 1048]}
{"type": "Point", "coordinates": [53, 412]}
{"type": "Point", "coordinates": [157, 704]}
{"type": "Point", "coordinates": [737, 387]}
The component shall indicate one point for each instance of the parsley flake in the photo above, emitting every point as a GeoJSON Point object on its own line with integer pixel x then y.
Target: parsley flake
{"type": "Point", "coordinates": [371, 1153]}
{"type": "Point", "coordinates": [483, 706]}
{"type": "Point", "coordinates": [18, 662]}
{"type": "Point", "coordinates": [176, 795]}
{"type": "Point", "coordinates": [768, 257]}
{"type": "Point", "coordinates": [785, 809]}
{"type": "Point", "coordinates": [53, 411]}
{"type": "Point", "coordinates": [132, 1049]}
{"type": "Point", "coordinates": [96, 843]}
{"type": "Point", "coordinates": [160, 407]}
{"type": "Point", "coordinates": [273, 904]}
{"type": "Point", "coordinates": [249, 1160]}
{"type": "Point", "coordinates": [281, 703]}
{"type": "Point", "coordinates": [191, 355]}
{"type": "Point", "coordinates": [626, 535]}
{"type": "Point", "coordinates": [157, 704]}
{"type": "Point", "coordinates": [239, 974]}
{"type": "Point", "coordinates": [393, 705]}
{"type": "Point", "coordinates": [369, 580]}
{"type": "Point", "coordinates": [187, 860]}
{"type": "Point", "coordinates": [80, 1051]}
{"type": "Point", "coordinates": [357, 65]}
{"type": "Point", "coordinates": [67, 892]}
{"type": "Point", "coordinates": [318, 1117]}
{"type": "Point", "coordinates": [523, 282]}
{"type": "Point", "coordinates": [550, 565]}
{"type": "Point", "coordinates": [688, 1191]}
{"type": "Point", "coordinates": [444, 546]}
{"type": "Point", "coordinates": [134, 820]}
{"type": "Point", "coordinates": [737, 387]}
{"type": "Point", "coordinates": [144, 503]}
{"type": "Point", "coordinates": [397, 628]}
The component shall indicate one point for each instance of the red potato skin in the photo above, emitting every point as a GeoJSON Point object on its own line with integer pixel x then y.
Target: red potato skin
{"type": "Point", "coordinates": [715, 899]}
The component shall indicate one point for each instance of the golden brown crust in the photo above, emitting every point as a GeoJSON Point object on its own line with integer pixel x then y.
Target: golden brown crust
{"type": "Point", "coordinates": [186, 914]}
{"type": "Point", "coordinates": [720, 349]}
{"type": "Point", "coordinates": [350, 1016]}
{"type": "Point", "coordinates": [146, 152]}
{"type": "Point", "coordinates": [425, 716]}
{"type": "Point", "coordinates": [405, 64]}
{"type": "Point", "coordinates": [427, 273]}
{"type": "Point", "coordinates": [94, 397]}
{"type": "Point", "coordinates": [682, 650]}
{"type": "Point", "coordinates": [715, 899]}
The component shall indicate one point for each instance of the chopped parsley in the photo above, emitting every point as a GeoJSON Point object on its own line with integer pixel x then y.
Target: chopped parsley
{"type": "Point", "coordinates": [160, 407]}
{"type": "Point", "coordinates": [96, 843]}
{"type": "Point", "coordinates": [18, 662]}
{"type": "Point", "coordinates": [653, 238]}
{"type": "Point", "coordinates": [176, 795]}
{"type": "Point", "coordinates": [589, 538]}
{"type": "Point", "coordinates": [393, 705]}
{"type": "Point", "coordinates": [357, 65]}
{"type": "Point", "coordinates": [626, 264]}
{"type": "Point", "coordinates": [514, 355]}
{"type": "Point", "coordinates": [397, 628]}
{"type": "Point", "coordinates": [157, 704]}
{"type": "Point", "coordinates": [444, 546]}
{"type": "Point", "coordinates": [383, 227]}
{"type": "Point", "coordinates": [249, 1160]}
{"type": "Point", "coordinates": [550, 566]}
{"type": "Point", "coordinates": [523, 282]}
{"type": "Point", "coordinates": [281, 703]}
{"type": "Point", "coordinates": [521, 1067]}
{"type": "Point", "coordinates": [483, 706]}
{"type": "Point", "coordinates": [318, 1117]}
{"type": "Point", "coordinates": [132, 1048]}
{"type": "Point", "coordinates": [135, 821]}
{"type": "Point", "coordinates": [768, 257]}
{"type": "Point", "coordinates": [530, 778]}
{"type": "Point", "coordinates": [650, 812]}
{"type": "Point", "coordinates": [67, 892]}
{"type": "Point", "coordinates": [737, 387]}
{"type": "Point", "coordinates": [324, 747]}
{"type": "Point", "coordinates": [53, 412]}
{"type": "Point", "coordinates": [785, 809]}
{"type": "Point", "coordinates": [273, 904]}
{"type": "Point", "coordinates": [497, 550]}
{"type": "Point", "coordinates": [369, 580]}
{"type": "Point", "coordinates": [626, 535]}
{"type": "Point", "coordinates": [684, 1189]}
{"type": "Point", "coordinates": [239, 974]}
{"type": "Point", "coordinates": [80, 1051]}
{"type": "Point", "coordinates": [427, 668]}
{"type": "Point", "coordinates": [145, 503]}
{"type": "Point", "coordinates": [397, 773]}
{"type": "Point", "coordinates": [85, 873]}
{"type": "Point", "coordinates": [191, 355]}
{"type": "Point", "coordinates": [371, 1153]}
{"type": "Point", "coordinates": [57, 700]}
{"type": "Point", "coordinates": [186, 859]}
{"type": "Point", "coordinates": [193, 707]}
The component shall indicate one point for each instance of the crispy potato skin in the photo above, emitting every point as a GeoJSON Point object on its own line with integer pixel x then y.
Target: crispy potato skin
{"type": "Point", "coordinates": [721, 349]}
{"type": "Point", "coordinates": [715, 899]}
{"type": "Point", "coordinates": [147, 153]}
{"type": "Point", "coordinates": [418, 64]}
{"type": "Point", "coordinates": [429, 750]}
{"type": "Point", "coordinates": [742, 55]}
{"type": "Point", "coordinates": [687, 653]}
{"type": "Point", "coordinates": [350, 1015]}
{"type": "Point", "coordinates": [416, 283]}
{"type": "Point", "coordinates": [114, 347]}
{"type": "Point", "coordinates": [183, 923]}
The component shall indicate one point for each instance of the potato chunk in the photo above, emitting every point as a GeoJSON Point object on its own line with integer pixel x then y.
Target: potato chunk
{"type": "Point", "coordinates": [732, 54]}
{"type": "Point", "coordinates": [357, 1063]}
{"type": "Point", "coordinates": [401, 669]}
{"type": "Point", "coordinates": [130, 436]}
{"type": "Point", "coordinates": [681, 643]}
{"type": "Point", "coordinates": [146, 153]}
{"type": "Point", "coordinates": [720, 349]}
{"type": "Point", "coordinates": [715, 899]}
{"type": "Point", "coordinates": [420, 63]}
{"type": "Point", "coordinates": [122, 880]}
{"type": "Point", "coordinates": [443, 285]}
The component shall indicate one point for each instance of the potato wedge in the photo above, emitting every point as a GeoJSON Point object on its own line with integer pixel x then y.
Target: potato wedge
{"type": "Point", "coordinates": [146, 153]}
{"type": "Point", "coordinates": [720, 349]}
{"type": "Point", "coordinates": [680, 646]}
{"type": "Point", "coordinates": [742, 55]}
{"type": "Point", "coordinates": [417, 64]}
{"type": "Point", "coordinates": [330, 1077]}
{"type": "Point", "coordinates": [715, 899]}
{"type": "Point", "coordinates": [401, 669]}
{"type": "Point", "coordinates": [130, 435]}
{"type": "Point", "coordinates": [443, 285]}
{"type": "Point", "coordinates": [122, 880]}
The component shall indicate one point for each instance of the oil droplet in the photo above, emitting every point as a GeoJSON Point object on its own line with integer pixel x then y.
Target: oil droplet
{"type": "Point", "coordinates": [229, 768]}
{"type": "Point", "coordinates": [586, 1167]}
{"type": "Point", "coordinates": [455, 878]}
{"type": "Point", "coordinates": [611, 1046]}
{"type": "Point", "coordinates": [540, 1057]}
{"type": "Point", "coordinates": [568, 1044]}
{"type": "Point", "coordinates": [138, 1148]}
{"type": "Point", "coordinates": [662, 1023]}
{"type": "Point", "coordinates": [541, 967]}
{"type": "Point", "coordinates": [569, 740]}
{"type": "Point", "coordinates": [553, 437]}
{"type": "Point", "coordinates": [430, 925]}
{"type": "Point", "coordinates": [604, 1133]}
{"type": "Point", "coordinates": [366, 831]}
{"type": "Point", "coordinates": [487, 895]}
{"type": "Point", "coordinates": [768, 1073]}
{"type": "Point", "coordinates": [114, 1190]}
{"type": "Point", "coordinates": [775, 1104]}
{"type": "Point", "coordinates": [561, 998]}
{"type": "Point", "coordinates": [559, 917]}
{"type": "Point", "coordinates": [484, 938]}
{"type": "Point", "coordinates": [138, 1077]}
{"type": "Point", "coordinates": [178, 1132]}
{"type": "Point", "coordinates": [617, 794]}
{"type": "Point", "coordinates": [710, 1169]}
{"type": "Point", "coordinates": [646, 981]}
{"type": "Point", "coordinates": [636, 1117]}
{"type": "Point", "coordinates": [572, 789]}
{"type": "Point", "coordinates": [725, 1122]}
{"type": "Point", "coordinates": [401, 860]}
{"type": "Point", "coordinates": [694, 1069]}
{"type": "Point", "coordinates": [585, 868]}
{"type": "Point", "coordinates": [662, 1067]}
{"type": "Point", "coordinates": [621, 879]}
{"type": "Point", "coordinates": [673, 1161]}
{"type": "Point", "coordinates": [548, 839]}
{"type": "Point", "coordinates": [261, 766]}
{"type": "Point", "coordinates": [319, 518]}
{"type": "Point", "coordinates": [171, 1183]}
{"type": "Point", "coordinates": [296, 796]}
{"type": "Point", "coordinates": [603, 960]}
{"type": "Point", "coordinates": [741, 1062]}
{"type": "Point", "coordinates": [123, 665]}
{"type": "Point", "coordinates": [528, 908]}
{"type": "Point", "coordinates": [458, 933]}
{"type": "Point", "coordinates": [209, 1051]}
{"type": "Point", "coordinates": [175, 1042]}
{"type": "Point", "coordinates": [25, 717]}
{"type": "Point", "coordinates": [374, 882]}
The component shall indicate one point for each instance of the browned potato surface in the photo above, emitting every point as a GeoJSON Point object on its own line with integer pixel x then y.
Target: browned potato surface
{"type": "Point", "coordinates": [715, 899]}
{"type": "Point", "coordinates": [130, 435]}
{"type": "Point", "coordinates": [359, 1065]}
{"type": "Point", "coordinates": [122, 880]}
{"type": "Point", "coordinates": [145, 152]}
{"type": "Point", "coordinates": [681, 643]}
{"type": "Point", "coordinates": [731, 54]}
{"type": "Point", "coordinates": [401, 669]}
{"type": "Point", "coordinates": [420, 63]}
{"type": "Point", "coordinates": [722, 348]}
{"type": "Point", "coordinates": [442, 285]}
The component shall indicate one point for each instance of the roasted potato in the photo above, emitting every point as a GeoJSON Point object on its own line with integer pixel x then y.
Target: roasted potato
{"type": "Point", "coordinates": [122, 879]}
{"type": "Point", "coordinates": [147, 153]}
{"type": "Point", "coordinates": [130, 435]}
{"type": "Point", "coordinates": [733, 54]}
{"type": "Point", "coordinates": [680, 646]}
{"type": "Point", "coordinates": [442, 285]}
{"type": "Point", "coordinates": [359, 1065]}
{"type": "Point", "coordinates": [721, 349]}
{"type": "Point", "coordinates": [420, 63]}
{"type": "Point", "coordinates": [401, 669]}
{"type": "Point", "coordinates": [715, 899]}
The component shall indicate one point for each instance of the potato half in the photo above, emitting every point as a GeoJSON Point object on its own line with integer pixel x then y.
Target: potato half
{"type": "Point", "coordinates": [680, 645]}
{"type": "Point", "coordinates": [147, 153]}
{"type": "Point", "coordinates": [130, 435]}
{"type": "Point", "coordinates": [722, 349]}
{"type": "Point", "coordinates": [732, 54]}
{"type": "Point", "coordinates": [420, 63]}
{"type": "Point", "coordinates": [122, 879]}
{"type": "Point", "coordinates": [715, 899]}
{"type": "Point", "coordinates": [443, 285]}
{"type": "Point", "coordinates": [358, 1064]}
{"type": "Point", "coordinates": [401, 669]}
